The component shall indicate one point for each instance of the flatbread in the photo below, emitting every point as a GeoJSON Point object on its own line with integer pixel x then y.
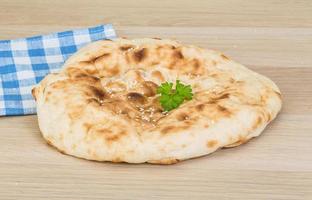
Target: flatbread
{"type": "Point", "coordinates": [103, 104]}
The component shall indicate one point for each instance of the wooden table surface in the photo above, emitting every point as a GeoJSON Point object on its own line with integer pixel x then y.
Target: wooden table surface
{"type": "Point", "coordinates": [271, 37]}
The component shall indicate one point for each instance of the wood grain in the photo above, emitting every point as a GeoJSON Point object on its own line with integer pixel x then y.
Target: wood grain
{"type": "Point", "coordinates": [271, 37]}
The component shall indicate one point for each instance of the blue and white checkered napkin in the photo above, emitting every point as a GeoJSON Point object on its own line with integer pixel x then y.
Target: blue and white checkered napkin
{"type": "Point", "coordinates": [25, 62]}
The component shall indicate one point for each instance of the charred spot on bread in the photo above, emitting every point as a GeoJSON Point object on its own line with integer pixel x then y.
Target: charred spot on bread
{"type": "Point", "coordinates": [224, 57]}
{"type": "Point", "coordinates": [200, 107]}
{"type": "Point", "coordinates": [182, 116]}
{"type": "Point", "coordinates": [149, 88]}
{"type": "Point", "coordinates": [33, 92]}
{"type": "Point", "coordinates": [140, 55]}
{"type": "Point", "coordinates": [136, 98]}
{"type": "Point", "coordinates": [177, 54]}
{"type": "Point", "coordinates": [126, 47]}
{"type": "Point", "coordinates": [98, 93]}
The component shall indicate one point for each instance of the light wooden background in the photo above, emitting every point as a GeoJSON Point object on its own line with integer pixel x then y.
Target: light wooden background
{"type": "Point", "coordinates": [271, 37]}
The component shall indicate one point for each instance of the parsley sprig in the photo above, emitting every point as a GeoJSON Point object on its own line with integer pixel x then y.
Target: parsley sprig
{"type": "Point", "coordinates": [173, 98]}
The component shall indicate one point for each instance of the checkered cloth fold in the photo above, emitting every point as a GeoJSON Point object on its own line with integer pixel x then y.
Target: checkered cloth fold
{"type": "Point", "coordinates": [24, 62]}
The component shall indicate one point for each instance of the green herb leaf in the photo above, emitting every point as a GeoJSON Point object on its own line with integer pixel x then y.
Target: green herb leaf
{"type": "Point", "coordinates": [171, 99]}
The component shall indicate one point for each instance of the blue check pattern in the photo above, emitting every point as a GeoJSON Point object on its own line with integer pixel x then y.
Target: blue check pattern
{"type": "Point", "coordinates": [25, 62]}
